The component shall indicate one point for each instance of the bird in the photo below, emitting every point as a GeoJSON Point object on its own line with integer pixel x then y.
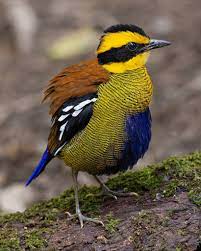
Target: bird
{"type": "Point", "coordinates": [101, 120]}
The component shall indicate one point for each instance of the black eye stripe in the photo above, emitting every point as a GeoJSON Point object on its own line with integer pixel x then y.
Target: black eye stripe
{"type": "Point", "coordinates": [121, 54]}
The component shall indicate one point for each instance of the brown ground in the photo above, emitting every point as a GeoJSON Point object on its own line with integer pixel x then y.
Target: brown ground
{"type": "Point", "coordinates": [176, 72]}
{"type": "Point", "coordinates": [169, 224]}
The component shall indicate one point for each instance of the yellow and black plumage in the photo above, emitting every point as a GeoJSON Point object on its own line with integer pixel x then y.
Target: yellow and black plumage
{"type": "Point", "coordinates": [100, 108]}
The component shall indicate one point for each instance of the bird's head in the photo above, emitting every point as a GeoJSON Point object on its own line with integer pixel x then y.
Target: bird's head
{"type": "Point", "coordinates": [125, 47]}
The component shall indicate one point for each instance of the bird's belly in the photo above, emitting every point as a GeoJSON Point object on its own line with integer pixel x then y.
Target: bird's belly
{"type": "Point", "coordinates": [104, 145]}
{"type": "Point", "coordinates": [97, 146]}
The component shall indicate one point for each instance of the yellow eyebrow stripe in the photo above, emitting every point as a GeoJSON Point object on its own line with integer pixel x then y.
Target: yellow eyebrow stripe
{"type": "Point", "coordinates": [118, 39]}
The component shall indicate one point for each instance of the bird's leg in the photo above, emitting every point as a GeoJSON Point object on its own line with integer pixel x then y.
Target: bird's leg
{"type": "Point", "coordinates": [114, 194]}
{"type": "Point", "coordinates": [79, 214]}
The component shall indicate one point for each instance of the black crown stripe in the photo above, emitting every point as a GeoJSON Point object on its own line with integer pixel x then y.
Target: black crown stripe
{"type": "Point", "coordinates": [125, 27]}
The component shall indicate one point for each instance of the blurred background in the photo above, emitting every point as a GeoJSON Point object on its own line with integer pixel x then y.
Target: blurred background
{"type": "Point", "coordinates": [39, 38]}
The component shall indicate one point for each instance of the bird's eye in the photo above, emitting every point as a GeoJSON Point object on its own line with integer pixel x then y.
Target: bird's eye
{"type": "Point", "coordinates": [132, 46]}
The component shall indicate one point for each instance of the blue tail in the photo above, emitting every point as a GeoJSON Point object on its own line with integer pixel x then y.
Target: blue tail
{"type": "Point", "coordinates": [40, 167]}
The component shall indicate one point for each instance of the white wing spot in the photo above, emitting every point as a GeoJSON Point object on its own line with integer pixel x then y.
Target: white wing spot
{"type": "Point", "coordinates": [76, 113]}
{"type": "Point", "coordinates": [62, 129]}
{"type": "Point", "coordinates": [59, 149]}
{"type": "Point", "coordinates": [94, 99]}
{"type": "Point", "coordinates": [68, 108]}
{"type": "Point", "coordinates": [82, 104]}
{"type": "Point", "coordinates": [63, 117]}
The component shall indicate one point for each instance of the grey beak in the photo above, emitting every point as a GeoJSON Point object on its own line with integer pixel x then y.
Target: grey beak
{"type": "Point", "coordinates": [154, 43]}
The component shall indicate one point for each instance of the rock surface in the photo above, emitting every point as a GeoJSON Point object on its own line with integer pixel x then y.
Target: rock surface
{"type": "Point", "coordinates": [165, 216]}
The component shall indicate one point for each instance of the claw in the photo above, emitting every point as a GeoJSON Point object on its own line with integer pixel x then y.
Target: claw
{"type": "Point", "coordinates": [83, 218]}
{"type": "Point", "coordinates": [114, 194]}
{"type": "Point", "coordinates": [70, 215]}
{"type": "Point", "coordinates": [108, 192]}
{"type": "Point", "coordinates": [122, 194]}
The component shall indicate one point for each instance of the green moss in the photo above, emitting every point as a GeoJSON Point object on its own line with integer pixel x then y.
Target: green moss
{"type": "Point", "coordinates": [4, 218]}
{"type": "Point", "coordinates": [171, 188]}
{"type": "Point", "coordinates": [34, 239]}
{"type": "Point", "coordinates": [21, 239]}
{"type": "Point", "coordinates": [9, 240]}
{"type": "Point", "coordinates": [195, 195]}
{"type": "Point", "coordinates": [167, 177]}
{"type": "Point", "coordinates": [48, 211]}
{"type": "Point", "coordinates": [111, 223]}
{"type": "Point", "coordinates": [139, 181]}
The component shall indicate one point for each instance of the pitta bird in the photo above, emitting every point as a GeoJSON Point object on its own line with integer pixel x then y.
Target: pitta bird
{"type": "Point", "coordinates": [101, 121]}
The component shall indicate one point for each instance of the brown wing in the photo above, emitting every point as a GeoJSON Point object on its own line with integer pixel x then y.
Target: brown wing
{"type": "Point", "coordinates": [74, 81]}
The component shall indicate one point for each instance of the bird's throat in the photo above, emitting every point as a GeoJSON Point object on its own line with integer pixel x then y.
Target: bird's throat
{"type": "Point", "coordinates": [132, 89]}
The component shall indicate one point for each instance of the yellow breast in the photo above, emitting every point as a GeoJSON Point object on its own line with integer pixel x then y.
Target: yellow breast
{"type": "Point", "coordinates": [101, 142]}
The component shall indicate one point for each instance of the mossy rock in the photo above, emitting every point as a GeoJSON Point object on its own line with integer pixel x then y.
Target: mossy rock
{"type": "Point", "coordinates": [32, 229]}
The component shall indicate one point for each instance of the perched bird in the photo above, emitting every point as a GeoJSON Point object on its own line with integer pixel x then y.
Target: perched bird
{"type": "Point", "coordinates": [101, 122]}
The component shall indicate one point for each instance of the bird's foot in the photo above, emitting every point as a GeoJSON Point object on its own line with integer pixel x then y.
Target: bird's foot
{"type": "Point", "coordinates": [114, 194]}
{"type": "Point", "coordinates": [108, 192]}
{"type": "Point", "coordinates": [83, 218]}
